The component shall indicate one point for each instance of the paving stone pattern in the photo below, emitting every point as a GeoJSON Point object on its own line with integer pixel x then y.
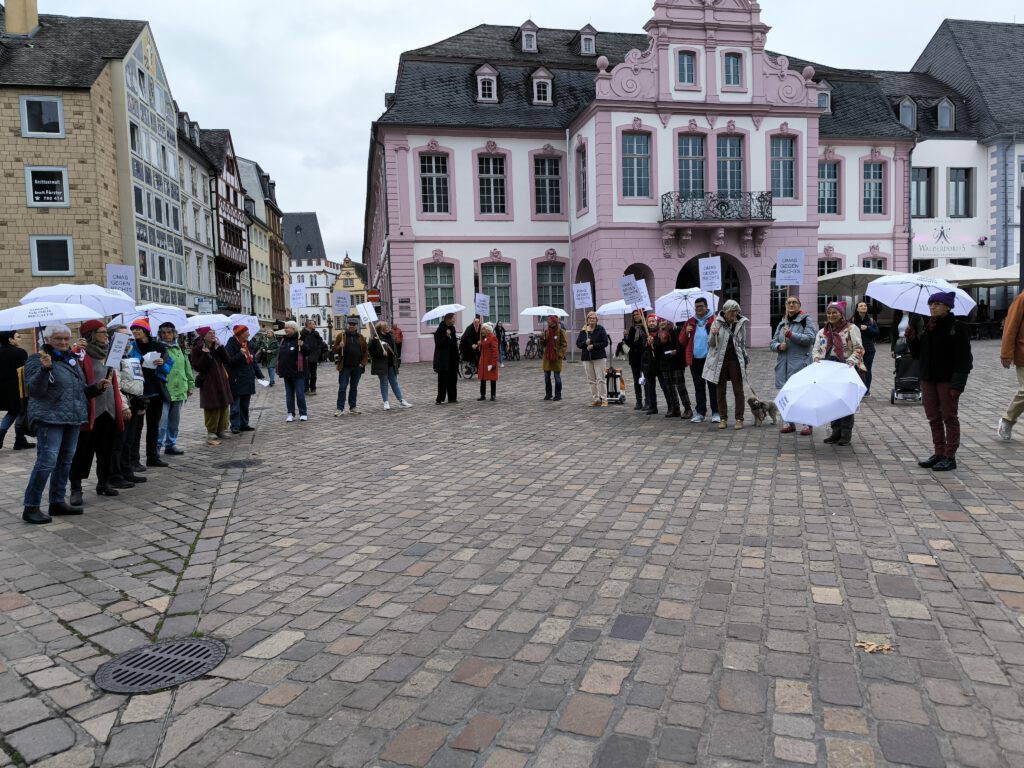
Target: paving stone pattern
{"type": "Point", "coordinates": [524, 584]}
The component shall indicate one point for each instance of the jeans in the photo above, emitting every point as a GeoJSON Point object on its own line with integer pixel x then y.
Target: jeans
{"type": "Point", "coordinates": [294, 389]}
{"type": "Point", "coordinates": [348, 380]}
{"type": "Point", "coordinates": [271, 373]}
{"type": "Point", "coordinates": [942, 407]}
{"type": "Point", "coordinates": [703, 390]}
{"type": "Point", "coordinates": [167, 437]}
{"type": "Point", "coordinates": [548, 375]}
{"type": "Point", "coordinates": [55, 449]}
{"type": "Point", "coordinates": [594, 370]}
{"type": "Point", "coordinates": [392, 378]}
{"type": "Point", "coordinates": [240, 412]}
{"type": "Point", "coordinates": [8, 421]}
{"type": "Point", "coordinates": [501, 353]}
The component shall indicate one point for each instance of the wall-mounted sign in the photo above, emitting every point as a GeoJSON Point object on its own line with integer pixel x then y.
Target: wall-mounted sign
{"type": "Point", "coordinates": [944, 238]}
{"type": "Point", "coordinates": [47, 187]}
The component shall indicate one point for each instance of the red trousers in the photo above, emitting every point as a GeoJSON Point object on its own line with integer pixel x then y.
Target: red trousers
{"type": "Point", "coordinates": [941, 406]}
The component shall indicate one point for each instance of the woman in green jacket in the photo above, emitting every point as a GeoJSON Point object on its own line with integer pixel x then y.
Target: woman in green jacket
{"type": "Point", "coordinates": [180, 383]}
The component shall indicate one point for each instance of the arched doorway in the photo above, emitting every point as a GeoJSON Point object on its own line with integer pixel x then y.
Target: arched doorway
{"type": "Point", "coordinates": [777, 302]}
{"type": "Point", "coordinates": [732, 284]}
{"type": "Point", "coordinates": [584, 274]}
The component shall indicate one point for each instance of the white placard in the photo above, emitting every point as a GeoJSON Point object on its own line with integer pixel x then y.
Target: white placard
{"type": "Point", "coordinates": [121, 277]}
{"type": "Point", "coordinates": [297, 295]}
{"type": "Point", "coordinates": [582, 296]}
{"type": "Point", "coordinates": [149, 359]}
{"type": "Point", "coordinates": [642, 285]}
{"type": "Point", "coordinates": [482, 304]}
{"type": "Point", "coordinates": [366, 312]}
{"type": "Point", "coordinates": [710, 273]}
{"type": "Point", "coordinates": [342, 302]}
{"type": "Point", "coordinates": [789, 267]}
{"type": "Point", "coordinates": [136, 367]}
{"type": "Point", "coordinates": [632, 291]}
{"type": "Point", "coordinates": [118, 344]}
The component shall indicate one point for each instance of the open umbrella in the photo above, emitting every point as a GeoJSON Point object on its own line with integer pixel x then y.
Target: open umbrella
{"type": "Point", "coordinates": [959, 274]}
{"type": "Point", "coordinates": [677, 305]}
{"type": "Point", "coordinates": [619, 307]}
{"type": "Point", "coordinates": [821, 393]}
{"type": "Point", "coordinates": [36, 315]}
{"type": "Point", "coordinates": [157, 314]}
{"type": "Point", "coordinates": [214, 322]}
{"type": "Point", "coordinates": [910, 293]}
{"type": "Point", "coordinates": [106, 301]}
{"type": "Point", "coordinates": [249, 321]}
{"type": "Point", "coordinates": [852, 281]}
{"type": "Point", "coordinates": [543, 311]}
{"type": "Point", "coordinates": [438, 312]}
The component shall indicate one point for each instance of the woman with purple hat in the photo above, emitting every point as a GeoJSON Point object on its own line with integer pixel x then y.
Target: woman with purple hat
{"type": "Point", "coordinates": [840, 341]}
{"type": "Point", "coordinates": [944, 351]}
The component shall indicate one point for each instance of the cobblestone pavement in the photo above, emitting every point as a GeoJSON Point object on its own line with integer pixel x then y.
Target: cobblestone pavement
{"type": "Point", "coordinates": [525, 583]}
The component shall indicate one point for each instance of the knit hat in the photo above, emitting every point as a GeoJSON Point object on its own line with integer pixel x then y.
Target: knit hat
{"type": "Point", "coordinates": [204, 330]}
{"type": "Point", "coordinates": [143, 323]}
{"type": "Point", "coordinates": [943, 297]}
{"type": "Point", "coordinates": [239, 328]}
{"type": "Point", "coordinates": [90, 326]}
{"type": "Point", "coordinates": [838, 306]}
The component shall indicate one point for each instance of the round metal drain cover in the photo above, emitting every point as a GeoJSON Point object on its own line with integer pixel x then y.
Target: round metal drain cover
{"type": "Point", "coordinates": [238, 464]}
{"type": "Point", "coordinates": [163, 665]}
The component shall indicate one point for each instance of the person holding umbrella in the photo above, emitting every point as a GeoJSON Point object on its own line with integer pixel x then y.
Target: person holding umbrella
{"type": "Point", "coordinates": [727, 360]}
{"type": "Point", "coordinates": [57, 408]}
{"type": "Point", "coordinates": [593, 341]}
{"type": "Point", "coordinates": [489, 361]}
{"type": "Point", "coordinates": [944, 350]}
{"type": "Point", "coordinates": [840, 342]}
{"type": "Point", "coordinates": [792, 342]}
{"type": "Point", "coordinates": [209, 361]}
{"type": "Point", "coordinates": [554, 345]}
{"type": "Point", "coordinates": [180, 384]}
{"type": "Point", "coordinates": [242, 374]}
{"type": "Point", "coordinates": [446, 360]}
{"type": "Point", "coordinates": [12, 357]}
{"type": "Point", "coordinates": [291, 366]}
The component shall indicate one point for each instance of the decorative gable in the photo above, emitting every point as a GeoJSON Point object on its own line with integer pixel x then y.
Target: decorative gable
{"type": "Point", "coordinates": [527, 37]}
{"type": "Point", "coordinates": [587, 41]}
{"type": "Point", "coordinates": [542, 81]}
{"type": "Point", "coordinates": [486, 84]}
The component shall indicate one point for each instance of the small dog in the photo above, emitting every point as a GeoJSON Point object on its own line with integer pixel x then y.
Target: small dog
{"type": "Point", "coordinates": [762, 410]}
{"type": "Point", "coordinates": [620, 350]}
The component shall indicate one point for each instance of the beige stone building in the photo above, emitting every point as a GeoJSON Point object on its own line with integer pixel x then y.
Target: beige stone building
{"type": "Point", "coordinates": [352, 278]}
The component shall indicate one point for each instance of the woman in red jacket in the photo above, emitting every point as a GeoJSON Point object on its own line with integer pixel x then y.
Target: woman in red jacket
{"type": "Point", "coordinates": [488, 370]}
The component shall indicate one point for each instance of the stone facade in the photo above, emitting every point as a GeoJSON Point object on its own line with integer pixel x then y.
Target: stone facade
{"type": "Point", "coordinates": [351, 278]}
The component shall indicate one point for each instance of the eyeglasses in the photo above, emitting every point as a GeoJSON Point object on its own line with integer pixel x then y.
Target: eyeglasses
{"type": "Point", "coordinates": [792, 301]}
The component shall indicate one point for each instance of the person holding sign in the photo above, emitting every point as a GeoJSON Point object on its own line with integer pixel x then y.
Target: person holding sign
{"type": "Point", "coordinates": [792, 342]}
{"type": "Point", "coordinates": [446, 360]}
{"type": "Point", "coordinates": [180, 384]}
{"type": "Point", "coordinates": [554, 345]}
{"type": "Point", "coordinates": [350, 357]}
{"type": "Point", "coordinates": [488, 360]}
{"type": "Point", "coordinates": [384, 364]}
{"type": "Point", "coordinates": [727, 360]}
{"type": "Point", "coordinates": [593, 341]}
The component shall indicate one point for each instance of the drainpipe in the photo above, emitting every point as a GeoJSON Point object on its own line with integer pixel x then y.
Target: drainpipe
{"type": "Point", "coordinates": [568, 218]}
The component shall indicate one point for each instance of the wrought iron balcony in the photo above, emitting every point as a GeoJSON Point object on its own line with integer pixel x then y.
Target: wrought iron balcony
{"type": "Point", "coordinates": [715, 207]}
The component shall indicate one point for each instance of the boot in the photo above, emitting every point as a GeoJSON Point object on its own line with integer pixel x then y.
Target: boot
{"type": "Point", "coordinates": [63, 508]}
{"type": "Point", "coordinates": [834, 437]}
{"type": "Point", "coordinates": [558, 391]}
{"type": "Point", "coordinates": [117, 482]}
{"type": "Point", "coordinates": [673, 413]}
{"type": "Point", "coordinates": [845, 436]}
{"type": "Point", "coordinates": [156, 461]}
{"type": "Point", "coordinates": [945, 464]}
{"type": "Point", "coordinates": [652, 411]}
{"type": "Point", "coordinates": [35, 516]}
{"type": "Point", "coordinates": [75, 499]}
{"type": "Point", "coordinates": [3, 436]}
{"type": "Point", "coordinates": [103, 489]}
{"type": "Point", "coordinates": [21, 444]}
{"type": "Point", "coordinates": [638, 393]}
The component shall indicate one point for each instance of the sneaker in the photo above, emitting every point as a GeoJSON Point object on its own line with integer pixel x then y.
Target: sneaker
{"type": "Point", "coordinates": [290, 418]}
{"type": "Point", "coordinates": [338, 413]}
{"type": "Point", "coordinates": [715, 418]}
{"type": "Point", "coordinates": [806, 431]}
{"type": "Point", "coordinates": [603, 403]}
{"type": "Point", "coordinates": [405, 403]}
{"type": "Point", "coordinates": [354, 412]}
{"type": "Point", "coordinates": [697, 418]}
{"type": "Point", "coordinates": [303, 417]}
{"type": "Point", "coordinates": [1005, 430]}
{"type": "Point", "coordinates": [387, 406]}
{"type": "Point", "coordinates": [212, 440]}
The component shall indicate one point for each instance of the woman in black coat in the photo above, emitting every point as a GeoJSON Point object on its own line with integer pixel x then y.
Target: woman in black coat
{"type": "Point", "coordinates": [868, 327]}
{"type": "Point", "coordinates": [446, 360]}
{"type": "Point", "coordinates": [672, 368]}
{"type": "Point", "coordinates": [12, 357]}
{"type": "Point", "coordinates": [242, 374]}
{"type": "Point", "coordinates": [635, 338]}
{"type": "Point", "coordinates": [291, 366]}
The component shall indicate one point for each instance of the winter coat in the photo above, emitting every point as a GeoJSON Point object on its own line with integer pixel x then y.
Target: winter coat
{"type": "Point", "coordinates": [58, 395]}
{"type": "Point", "coordinates": [798, 336]}
{"type": "Point", "coordinates": [649, 362]}
{"type": "Point", "coordinates": [383, 355]}
{"type": "Point", "coordinates": [361, 358]}
{"type": "Point", "coordinates": [181, 380]}
{"type": "Point", "coordinates": [719, 343]}
{"type": "Point", "coordinates": [562, 342]}
{"type": "Point", "coordinates": [215, 390]}
{"type": "Point", "coordinates": [690, 331]}
{"type": "Point", "coordinates": [869, 333]}
{"type": "Point", "coordinates": [288, 357]}
{"type": "Point", "coordinates": [470, 336]}
{"type": "Point", "coordinates": [446, 349]}
{"type": "Point", "coordinates": [94, 370]}
{"type": "Point", "coordinates": [266, 349]}
{"type": "Point", "coordinates": [488, 359]}
{"type": "Point", "coordinates": [1013, 333]}
{"type": "Point", "coordinates": [130, 386]}
{"type": "Point", "coordinates": [635, 339]}
{"type": "Point", "coordinates": [668, 354]}
{"type": "Point", "coordinates": [945, 353]}
{"type": "Point", "coordinates": [242, 373]}
{"type": "Point", "coordinates": [155, 379]}
{"type": "Point", "coordinates": [11, 359]}
{"type": "Point", "coordinates": [598, 338]}
{"type": "Point", "coordinates": [853, 348]}
{"type": "Point", "coordinates": [313, 343]}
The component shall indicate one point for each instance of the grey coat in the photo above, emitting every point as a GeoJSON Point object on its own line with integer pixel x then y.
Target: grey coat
{"type": "Point", "coordinates": [799, 344]}
{"type": "Point", "coordinates": [717, 344]}
{"type": "Point", "coordinates": [57, 395]}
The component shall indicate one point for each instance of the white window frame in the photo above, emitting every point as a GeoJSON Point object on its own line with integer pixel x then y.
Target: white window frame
{"type": "Point", "coordinates": [493, 81]}
{"type": "Point", "coordinates": [536, 91]}
{"type": "Point", "coordinates": [28, 186]}
{"type": "Point", "coordinates": [33, 242]}
{"type": "Point", "coordinates": [908, 102]}
{"type": "Point", "coordinates": [825, 101]}
{"type": "Point", "coordinates": [23, 106]}
{"type": "Point", "coordinates": [952, 115]}
{"type": "Point", "coordinates": [583, 45]}
{"type": "Point", "coordinates": [530, 42]}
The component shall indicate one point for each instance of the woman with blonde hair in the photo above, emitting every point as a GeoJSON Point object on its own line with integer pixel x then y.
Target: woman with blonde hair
{"type": "Point", "coordinates": [593, 341]}
{"type": "Point", "coordinates": [384, 363]}
{"type": "Point", "coordinates": [488, 370]}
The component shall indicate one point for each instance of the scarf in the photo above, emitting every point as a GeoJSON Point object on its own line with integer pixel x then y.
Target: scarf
{"type": "Point", "coordinates": [834, 335]}
{"type": "Point", "coordinates": [245, 350]}
{"type": "Point", "coordinates": [551, 343]}
{"type": "Point", "coordinates": [663, 335]}
{"type": "Point", "coordinates": [97, 351]}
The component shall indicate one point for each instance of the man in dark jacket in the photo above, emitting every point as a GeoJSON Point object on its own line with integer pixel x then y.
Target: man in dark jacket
{"type": "Point", "coordinates": [350, 356]}
{"type": "Point", "coordinates": [944, 351]}
{"type": "Point", "coordinates": [314, 344]}
{"type": "Point", "coordinates": [446, 360]}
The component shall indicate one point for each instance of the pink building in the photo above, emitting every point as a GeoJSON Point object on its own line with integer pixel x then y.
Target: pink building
{"type": "Point", "coordinates": [518, 161]}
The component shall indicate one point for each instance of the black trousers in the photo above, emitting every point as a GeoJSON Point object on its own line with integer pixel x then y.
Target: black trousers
{"type": "Point", "coordinates": [98, 442]}
{"type": "Point", "coordinates": [651, 390]}
{"type": "Point", "coordinates": [483, 386]}
{"type": "Point", "coordinates": [447, 385]}
{"type": "Point", "coordinates": [311, 378]}
{"type": "Point", "coordinates": [154, 413]}
{"type": "Point", "coordinates": [126, 446]}
{"type": "Point", "coordinates": [704, 391]}
{"type": "Point", "coordinates": [638, 391]}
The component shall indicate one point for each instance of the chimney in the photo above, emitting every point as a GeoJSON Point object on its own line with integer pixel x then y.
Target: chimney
{"type": "Point", "coordinates": [22, 18]}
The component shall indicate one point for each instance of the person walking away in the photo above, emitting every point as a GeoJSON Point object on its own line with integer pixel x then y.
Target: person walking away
{"type": "Point", "coordinates": [839, 341]}
{"type": "Point", "coordinates": [593, 341]}
{"type": "Point", "coordinates": [489, 361]}
{"type": "Point", "coordinates": [350, 358]}
{"type": "Point", "coordinates": [446, 360]}
{"type": "Point", "coordinates": [554, 343]}
{"type": "Point", "coordinates": [696, 331]}
{"type": "Point", "coordinates": [209, 361]}
{"type": "Point", "coordinates": [1012, 353]}
{"type": "Point", "coordinates": [944, 349]}
{"type": "Point", "coordinates": [243, 371]}
{"type": "Point", "coordinates": [12, 357]}
{"type": "Point", "coordinates": [792, 342]}
{"type": "Point", "coordinates": [313, 343]}
{"type": "Point", "coordinates": [635, 338]}
{"type": "Point", "coordinates": [727, 360]}
{"type": "Point", "coordinates": [499, 331]}
{"type": "Point", "coordinates": [384, 364]}
{"type": "Point", "coordinates": [57, 408]}
{"type": "Point", "coordinates": [131, 384]}
{"type": "Point", "coordinates": [672, 370]}
{"type": "Point", "coordinates": [105, 415]}
{"type": "Point", "coordinates": [867, 324]}
{"type": "Point", "coordinates": [469, 345]}
{"type": "Point", "coordinates": [154, 373]}
{"type": "Point", "coordinates": [180, 384]}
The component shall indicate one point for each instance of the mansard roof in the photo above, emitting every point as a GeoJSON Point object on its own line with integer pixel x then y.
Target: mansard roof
{"type": "Point", "coordinates": [927, 92]}
{"type": "Point", "coordinates": [302, 230]}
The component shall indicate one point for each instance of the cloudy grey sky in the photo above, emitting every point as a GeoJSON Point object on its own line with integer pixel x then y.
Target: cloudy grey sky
{"type": "Point", "coordinates": [299, 89]}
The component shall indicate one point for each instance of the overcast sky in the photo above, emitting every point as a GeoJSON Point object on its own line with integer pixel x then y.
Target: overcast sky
{"type": "Point", "coordinates": [298, 91]}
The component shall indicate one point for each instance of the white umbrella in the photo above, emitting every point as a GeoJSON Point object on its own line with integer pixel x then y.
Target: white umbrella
{"type": "Point", "coordinates": [439, 312]}
{"type": "Point", "coordinates": [37, 315]}
{"type": "Point", "coordinates": [821, 393]}
{"type": "Point", "coordinates": [157, 314]}
{"type": "Point", "coordinates": [910, 293]}
{"type": "Point", "coordinates": [677, 305]}
{"type": "Point", "coordinates": [958, 274]}
{"type": "Point", "coordinates": [543, 311]}
{"type": "Point", "coordinates": [852, 281]}
{"type": "Point", "coordinates": [249, 321]}
{"type": "Point", "coordinates": [619, 307]}
{"type": "Point", "coordinates": [1006, 276]}
{"type": "Point", "coordinates": [214, 322]}
{"type": "Point", "coordinates": [106, 301]}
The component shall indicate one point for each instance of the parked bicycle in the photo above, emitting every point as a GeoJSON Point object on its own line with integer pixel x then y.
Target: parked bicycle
{"type": "Point", "coordinates": [532, 348]}
{"type": "Point", "coordinates": [512, 352]}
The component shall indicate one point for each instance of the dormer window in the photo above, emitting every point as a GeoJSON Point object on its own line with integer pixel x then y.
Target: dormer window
{"type": "Point", "coordinates": [588, 41]}
{"type": "Point", "coordinates": [542, 86]}
{"type": "Point", "coordinates": [825, 101]}
{"type": "Point", "coordinates": [947, 115]}
{"type": "Point", "coordinates": [528, 37]}
{"type": "Point", "coordinates": [487, 84]}
{"type": "Point", "coordinates": [587, 45]}
{"type": "Point", "coordinates": [486, 89]}
{"type": "Point", "coordinates": [908, 114]}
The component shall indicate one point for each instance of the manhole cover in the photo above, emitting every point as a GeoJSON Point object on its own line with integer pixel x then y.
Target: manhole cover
{"type": "Point", "coordinates": [162, 665]}
{"type": "Point", "coordinates": [238, 464]}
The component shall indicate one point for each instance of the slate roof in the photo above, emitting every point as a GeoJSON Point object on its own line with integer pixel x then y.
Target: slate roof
{"type": "Point", "coordinates": [66, 52]}
{"type": "Point", "coordinates": [250, 172]}
{"type": "Point", "coordinates": [214, 143]}
{"type": "Point", "coordinates": [308, 236]}
{"type": "Point", "coordinates": [927, 92]}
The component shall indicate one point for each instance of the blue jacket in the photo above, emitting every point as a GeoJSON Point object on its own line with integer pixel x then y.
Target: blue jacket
{"type": "Point", "coordinates": [57, 395]}
{"type": "Point", "coordinates": [155, 384]}
{"type": "Point", "coordinates": [798, 336]}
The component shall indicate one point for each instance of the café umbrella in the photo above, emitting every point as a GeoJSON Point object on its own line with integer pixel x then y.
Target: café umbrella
{"type": "Point", "coordinates": [544, 311]}
{"type": "Point", "coordinates": [438, 312]}
{"type": "Point", "coordinates": [36, 315]}
{"type": "Point", "coordinates": [821, 393]}
{"type": "Point", "coordinates": [106, 301]}
{"type": "Point", "coordinates": [910, 293]}
{"type": "Point", "coordinates": [677, 305]}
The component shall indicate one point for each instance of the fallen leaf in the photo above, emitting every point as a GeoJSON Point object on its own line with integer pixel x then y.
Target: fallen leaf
{"type": "Point", "coordinates": [874, 647]}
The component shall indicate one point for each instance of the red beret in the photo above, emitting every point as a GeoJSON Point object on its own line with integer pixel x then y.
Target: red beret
{"type": "Point", "coordinates": [91, 325]}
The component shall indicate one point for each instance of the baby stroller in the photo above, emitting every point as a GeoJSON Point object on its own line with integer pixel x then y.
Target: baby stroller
{"type": "Point", "coordinates": [907, 377]}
